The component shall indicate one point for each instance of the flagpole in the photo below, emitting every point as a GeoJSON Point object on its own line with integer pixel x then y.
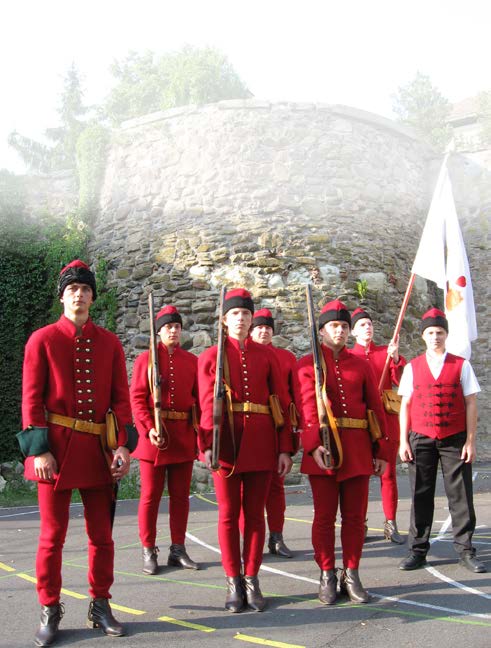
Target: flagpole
{"type": "Point", "coordinates": [397, 329]}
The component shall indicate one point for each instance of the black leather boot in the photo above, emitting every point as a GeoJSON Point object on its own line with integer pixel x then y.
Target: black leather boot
{"type": "Point", "coordinates": [234, 601]}
{"type": "Point", "coordinates": [51, 616]}
{"type": "Point", "coordinates": [254, 597]}
{"type": "Point", "coordinates": [277, 545]}
{"type": "Point", "coordinates": [101, 616]}
{"type": "Point", "coordinates": [391, 532]}
{"type": "Point", "coordinates": [179, 558]}
{"type": "Point", "coordinates": [327, 586]}
{"type": "Point", "coordinates": [350, 584]}
{"type": "Point", "coordinates": [150, 565]}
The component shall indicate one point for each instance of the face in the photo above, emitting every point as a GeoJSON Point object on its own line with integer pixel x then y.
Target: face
{"type": "Point", "coordinates": [435, 337]}
{"type": "Point", "coordinates": [262, 334]}
{"type": "Point", "coordinates": [335, 334]}
{"type": "Point", "coordinates": [76, 299]}
{"type": "Point", "coordinates": [238, 322]}
{"type": "Point", "coordinates": [170, 334]}
{"type": "Point", "coordinates": [363, 331]}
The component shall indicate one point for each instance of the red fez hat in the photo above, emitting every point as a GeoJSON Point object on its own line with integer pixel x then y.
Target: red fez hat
{"type": "Point", "coordinates": [238, 298]}
{"type": "Point", "coordinates": [263, 317]}
{"type": "Point", "coordinates": [166, 315]}
{"type": "Point", "coordinates": [434, 317]}
{"type": "Point", "coordinates": [358, 314]}
{"type": "Point", "coordinates": [334, 311]}
{"type": "Point", "coordinates": [76, 272]}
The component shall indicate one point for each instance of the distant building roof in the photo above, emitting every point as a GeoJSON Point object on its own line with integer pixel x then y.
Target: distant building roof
{"type": "Point", "coordinates": [465, 111]}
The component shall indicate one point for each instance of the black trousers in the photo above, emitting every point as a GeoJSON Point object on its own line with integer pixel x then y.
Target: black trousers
{"type": "Point", "coordinates": [457, 480]}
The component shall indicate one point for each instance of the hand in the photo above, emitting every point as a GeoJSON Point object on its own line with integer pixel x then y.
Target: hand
{"type": "Point", "coordinates": [320, 456]}
{"type": "Point", "coordinates": [153, 438]}
{"type": "Point", "coordinates": [45, 466]}
{"type": "Point", "coordinates": [284, 464]}
{"type": "Point", "coordinates": [121, 463]}
{"type": "Point", "coordinates": [405, 452]}
{"type": "Point", "coordinates": [379, 466]}
{"type": "Point", "coordinates": [207, 455]}
{"type": "Point", "coordinates": [393, 349]}
{"type": "Point", "coordinates": [468, 453]}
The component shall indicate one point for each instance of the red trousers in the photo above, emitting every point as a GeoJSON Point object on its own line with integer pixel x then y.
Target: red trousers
{"type": "Point", "coordinates": [152, 481]}
{"type": "Point", "coordinates": [352, 496]}
{"type": "Point", "coordinates": [54, 513]}
{"type": "Point", "coordinates": [388, 483]}
{"type": "Point", "coordinates": [246, 492]}
{"type": "Point", "coordinates": [276, 504]}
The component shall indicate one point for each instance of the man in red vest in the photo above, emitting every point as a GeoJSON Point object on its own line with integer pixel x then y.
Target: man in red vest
{"type": "Point", "coordinates": [376, 356]}
{"type": "Point", "coordinates": [262, 333]}
{"type": "Point", "coordinates": [438, 422]}
{"type": "Point", "coordinates": [351, 391]}
{"type": "Point", "coordinates": [74, 374]}
{"type": "Point", "coordinates": [252, 447]}
{"type": "Point", "coordinates": [174, 455]}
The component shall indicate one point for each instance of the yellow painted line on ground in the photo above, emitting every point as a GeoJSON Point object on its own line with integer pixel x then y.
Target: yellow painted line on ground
{"type": "Point", "coordinates": [205, 499]}
{"type": "Point", "coordinates": [128, 610]}
{"type": "Point", "coordinates": [187, 624]}
{"type": "Point", "coordinates": [6, 567]}
{"type": "Point", "coordinates": [265, 642]}
{"type": "Point", "coordinates": [76, 595]}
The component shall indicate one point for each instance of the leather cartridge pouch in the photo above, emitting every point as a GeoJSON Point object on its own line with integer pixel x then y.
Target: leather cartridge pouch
{"type": "Point", "coordinates": [391, 401]}
{"type": "Point", "coordinates": [276, 411]}
{"type": "Point", "coordinates": [373, 426]}
{"type": "Point", "coordinates": [111, 430]}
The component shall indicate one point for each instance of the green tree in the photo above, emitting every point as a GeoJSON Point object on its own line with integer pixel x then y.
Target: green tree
{"type": "Point", "coordinates": [422, 106]}
{"type": "Point", "coordinates": [147, 83]}
{"type": "Point", "coordinates": [60, 151]}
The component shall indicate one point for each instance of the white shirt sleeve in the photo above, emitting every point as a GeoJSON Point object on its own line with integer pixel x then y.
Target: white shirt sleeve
{"type": "Point", "coordinates": [406, 384]}
{"type": "Point", "coordinates": [468, 380]}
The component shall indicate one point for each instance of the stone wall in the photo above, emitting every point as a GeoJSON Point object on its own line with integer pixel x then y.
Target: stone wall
{"type": "Point", "coordinates": [270, 197]}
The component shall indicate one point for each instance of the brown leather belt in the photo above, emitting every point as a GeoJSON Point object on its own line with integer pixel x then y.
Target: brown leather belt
{"type": "Point", "coordinates": [346, 422]}
{"type": "Point", "coordinates": [175, 416]}
{"type": "Point", "coordinates": [77, 424]}
{"type": "Point", "coordinates": [250, 408]}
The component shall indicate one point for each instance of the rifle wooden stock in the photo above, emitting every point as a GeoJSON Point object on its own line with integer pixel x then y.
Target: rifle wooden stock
{"type": "Point", "coordinates": [319, 380]}
{"type": "Point", "coordinates": [219, 389]}
{"type": "Point", "coordinates": [155, 373]}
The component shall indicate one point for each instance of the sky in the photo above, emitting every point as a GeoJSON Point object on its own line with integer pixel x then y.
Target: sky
{"type": "Point", "coordinates": [352, 52]}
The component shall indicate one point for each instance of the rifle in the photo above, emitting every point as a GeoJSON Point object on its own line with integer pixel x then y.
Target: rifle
{"type": "Point", "coordinates": [219, 389]}
{"type": "Point", "coordinates": [154, 373]}
{"type": "Point", "coordinates": [319, 380]}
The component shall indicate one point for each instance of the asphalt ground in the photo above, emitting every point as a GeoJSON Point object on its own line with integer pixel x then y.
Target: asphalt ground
{"type": "Point", "coordinates": [441, 605]}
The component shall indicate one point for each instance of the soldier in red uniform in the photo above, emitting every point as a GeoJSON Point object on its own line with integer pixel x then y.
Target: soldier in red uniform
{"type": "Point", "coordinates": [74, 374]}
{"type": "Point", "coordinates": [175, 455]}
{"type": "Point", "coordinates": [251, 447]}
{"type": "Point", "coordinates": [262, 333]}
{"type": "Point", "coordinates": [351, 391]}
{"type": "Point", "coordinates": [362, 330]}
{"type": "Point", "coordinates": [438, 423]}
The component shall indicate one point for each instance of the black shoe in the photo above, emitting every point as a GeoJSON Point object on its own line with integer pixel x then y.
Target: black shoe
{"type": "Point", "coordinates": [350, 584]}
{"type": "Point", "coordinates": [101, 616]}
{"type": "Point", "coordinates": [51, 616]}
{"type": "Point", "coordinates": [277, 545]}
{"type": "Point", "coordinates": [470, 562]}
{"type": "Point", "coordinates": [412, 561]}
{"type": "Point", "coordinates": [391, 532]}
{"type": "Point", "coordinates": [327, 586]}
{"type": "Point", "coordinates": [179, 558]}
{"type": "Point", "coordinates": [235, 599]}
{"type": "Point", "coordinates": [150, 565]}
{"type": "Point", "coordinates": [254, 597]}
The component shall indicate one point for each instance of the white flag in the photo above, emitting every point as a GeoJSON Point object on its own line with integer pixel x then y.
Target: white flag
{"type": "Point", "coordinates": [441, 257]}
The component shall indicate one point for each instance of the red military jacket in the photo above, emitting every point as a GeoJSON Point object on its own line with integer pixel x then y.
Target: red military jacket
{"type": "Point", "coordinates": [437, 406]}
{"type": "Point", "coordinates": [179, 385]}
{"type": "Point", "coordinates": [288, 364]}
{"type": "Point", "coordinates": [80, 376]}
{"type": "Point", "coordinates": [254, 374]}
{"type": "Point", "coordinates": [351, 389]}
{"type": "Point", "coordinates": [376, 356]}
